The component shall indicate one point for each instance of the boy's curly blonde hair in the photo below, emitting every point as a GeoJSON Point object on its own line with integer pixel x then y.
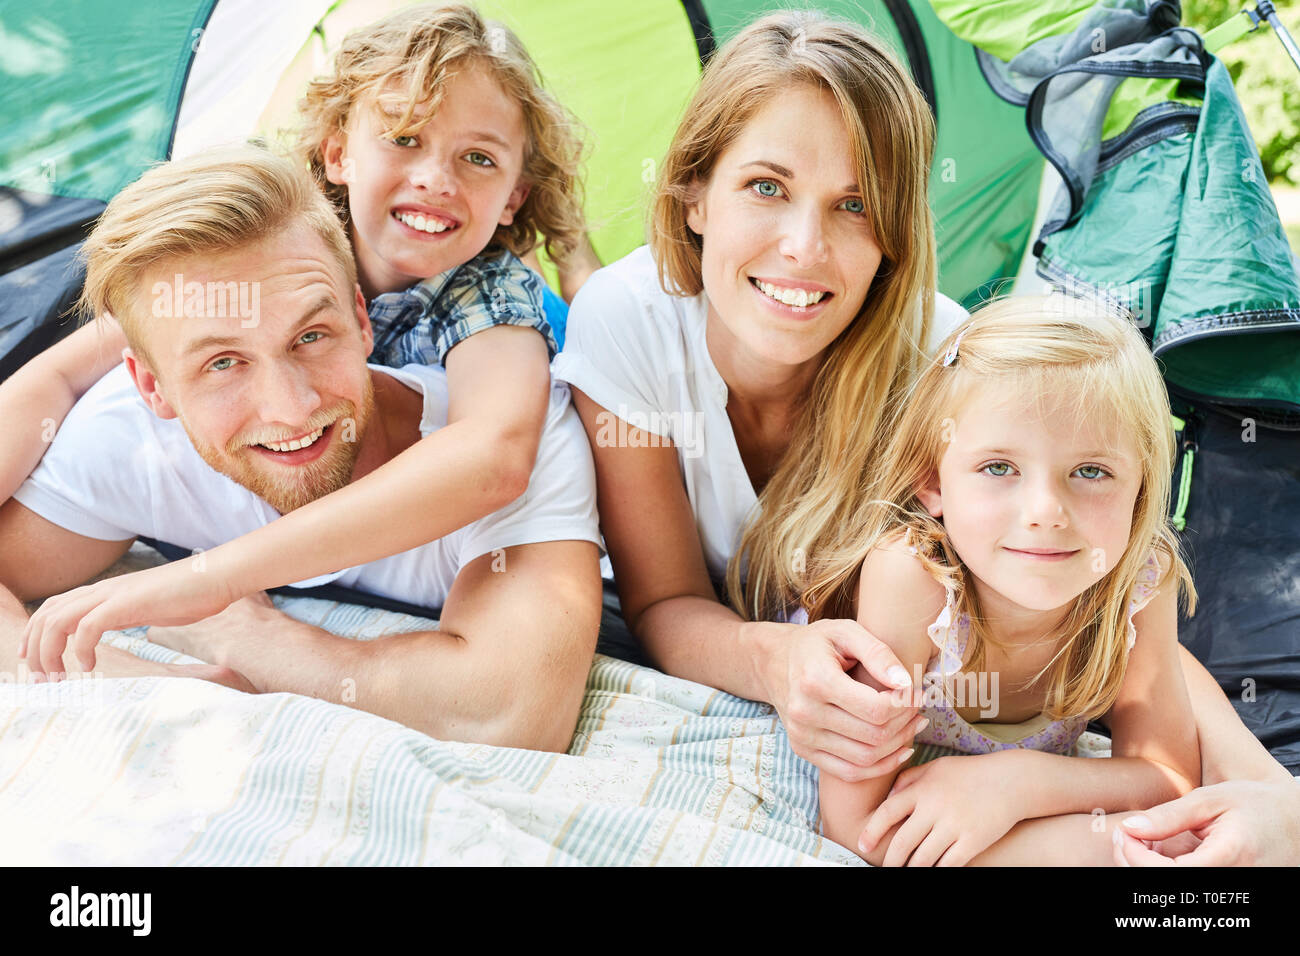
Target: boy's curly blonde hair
{"type": "Point", "coordinates": [420, 47]}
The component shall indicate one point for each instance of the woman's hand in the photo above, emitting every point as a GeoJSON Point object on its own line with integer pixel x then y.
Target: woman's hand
{"type": "Point", "coordinates": [178, 593]}
{"type": "Point", "coordinates": [1235, 823]}
{"type": "Point", "coordinates": [835, 721]}
{"type": "Point", "coordinates": [951, 810]}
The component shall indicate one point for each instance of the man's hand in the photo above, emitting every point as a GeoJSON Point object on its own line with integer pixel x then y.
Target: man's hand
{"type": "Point", "coordinates": [1235, 823]}
{"type": "Point", "coordinates": [951, 810]}
{"type": "Point", "coordinates": [173, 594]}
{"type": "Point", "coordinates": [219, 639]}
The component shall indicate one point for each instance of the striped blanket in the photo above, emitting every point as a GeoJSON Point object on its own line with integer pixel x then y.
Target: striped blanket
{"type": "Point", "coordinates": [167, 771]}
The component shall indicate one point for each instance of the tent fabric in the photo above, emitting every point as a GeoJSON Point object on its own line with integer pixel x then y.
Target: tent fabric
{"type": "Point", "coordinates": [1206, 267]}
{"type": "Point", "coordinates": [1240, 540]}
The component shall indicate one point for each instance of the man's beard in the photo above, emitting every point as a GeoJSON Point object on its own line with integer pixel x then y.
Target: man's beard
{"type": "Point", "coordinates": [288, 487]}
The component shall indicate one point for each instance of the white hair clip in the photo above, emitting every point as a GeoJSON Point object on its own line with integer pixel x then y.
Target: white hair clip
{"type": "Point", "coordinates": [951, 356]}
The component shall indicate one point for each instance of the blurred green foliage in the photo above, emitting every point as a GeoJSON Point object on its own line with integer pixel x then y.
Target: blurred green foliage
{"type": "Point", "coordinates": [1267, 82]}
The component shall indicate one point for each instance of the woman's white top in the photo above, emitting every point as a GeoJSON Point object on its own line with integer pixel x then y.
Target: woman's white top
{"type": "Point", "coordinates": [640, 353]}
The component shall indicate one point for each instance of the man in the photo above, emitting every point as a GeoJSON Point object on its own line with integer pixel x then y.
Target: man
{"type": "Point", "coordinates": [222, 418]}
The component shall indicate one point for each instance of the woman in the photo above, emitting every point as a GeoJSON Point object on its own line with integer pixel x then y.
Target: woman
{"type": "Point", "coordinates": [792, 225]}
{"type": "Point", "coordinates": [732, 374]}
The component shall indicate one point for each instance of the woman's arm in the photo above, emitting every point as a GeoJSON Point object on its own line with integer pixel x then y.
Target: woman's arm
{"type": "Point", "coordinates": [835, 722]}
{"type": "Point", "coordinates": [1229, 751]}
{"type": "Point", "coordinates": [39, 395]}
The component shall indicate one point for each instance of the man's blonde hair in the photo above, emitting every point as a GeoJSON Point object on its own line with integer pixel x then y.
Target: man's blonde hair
{"type": "Point", "coordinates": [419, 48]}
{"type": "Point", "coordinates": [1053, 348]}
{"type": "Point", "coordinates": [216, 201]}
{"type": "Point", "coordinates": [873, 359]}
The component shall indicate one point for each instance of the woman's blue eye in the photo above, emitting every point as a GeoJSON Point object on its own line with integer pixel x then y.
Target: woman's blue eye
{"type": "Point", "coordinates": [993, 466]}
{"type": "Point", "coordinates": [221, 364]}
{"type": "Point", "coordinates": [1099, 472]}
{"type": "Point", "coordinates": [480, 159]}
{"type": "Point", "coordinates": [766, 188]}
{"type": "Point", "coordinates": [855, 205]}
{"type": "Point", "coordinates": [403, 140]}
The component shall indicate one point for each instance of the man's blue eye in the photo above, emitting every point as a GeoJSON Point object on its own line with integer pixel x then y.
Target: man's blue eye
{"type": "Point", "coordinates": [480, 159]}
{"type": "Point", "coordinates": [855, 205]}
{"type": "Point", "coordinates": [221, 364]}
{"type": "Point", "coordinates": [766, 188]}
{"type": "Point", "coordinates": [309, 337]}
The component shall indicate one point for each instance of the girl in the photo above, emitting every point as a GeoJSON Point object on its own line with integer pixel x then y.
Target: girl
{"type": "Point", "coordinates": [1016, 555]}
{"type": "Point", "coordinates": [446, 159]}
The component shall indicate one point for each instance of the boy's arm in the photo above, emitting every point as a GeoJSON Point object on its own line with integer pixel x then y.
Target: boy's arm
{"type": "Point", "coordinates": [897, 600]}
{"type": "Point", "coordinates": [498, 383]}
{"type": "Point", "coordinates": [37, 397]}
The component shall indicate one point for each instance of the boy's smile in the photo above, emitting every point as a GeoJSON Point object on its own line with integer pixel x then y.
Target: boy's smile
{"type": "Point", "coordinates": [424, 203]}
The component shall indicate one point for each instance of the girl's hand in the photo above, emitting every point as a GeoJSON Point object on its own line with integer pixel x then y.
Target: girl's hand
{"type": "Point", "coordinates": [951, 810]}
{"type": "Point", "coordinates": [839, 724]}
{"type": "Point", "coordinates": [178, 593]}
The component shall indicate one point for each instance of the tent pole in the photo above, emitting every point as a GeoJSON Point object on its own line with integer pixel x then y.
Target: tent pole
{"type": "Point", "coordinates": [1264, 10]}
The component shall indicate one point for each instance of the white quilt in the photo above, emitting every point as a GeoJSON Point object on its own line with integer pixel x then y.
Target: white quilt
{"type": "Point", "coordinates": [166, 771]}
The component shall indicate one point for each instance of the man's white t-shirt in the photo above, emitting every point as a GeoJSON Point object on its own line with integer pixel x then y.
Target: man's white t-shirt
{"type": "Point", "coordinates": [641, 353]}
{"type": "Point", "coordinates": [116, 471]}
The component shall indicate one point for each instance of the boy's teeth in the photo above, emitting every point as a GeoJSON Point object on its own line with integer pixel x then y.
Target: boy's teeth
{"type": "Point", "coordinates": [296, 443]}
{"type": "Point", "coordinates": [800, 298]}
{"type": "Point", "coordinates": [419, 222]}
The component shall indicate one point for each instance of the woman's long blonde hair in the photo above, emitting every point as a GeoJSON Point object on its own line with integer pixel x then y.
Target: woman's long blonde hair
{"type": "Point", "coordinates": [892, 130]}
{"type": "Point", "coordinates": [420, 47]}
{"type": "Point", "coordinates": [1046, 347]}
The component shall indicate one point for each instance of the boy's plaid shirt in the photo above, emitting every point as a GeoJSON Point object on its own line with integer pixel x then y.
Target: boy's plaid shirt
{"type": "Point", "coordinates": [422, 324]}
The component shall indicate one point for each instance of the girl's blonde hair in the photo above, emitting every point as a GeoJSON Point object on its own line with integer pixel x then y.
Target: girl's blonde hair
{"type": "Point", "coordinates": [420, 48]}
{"type": "Point", "coordinates": [892, 130]}
{"type": "Point", "coordinates": [1050, 347]}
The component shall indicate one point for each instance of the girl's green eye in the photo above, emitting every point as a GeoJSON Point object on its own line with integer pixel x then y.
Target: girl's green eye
{"type": "Point", "coordinates": [403, 140]}
{"type": "Point", "coordinates": [767, 189]}
{"type": "Point", "coordinates": [992, 469]}
{"type": "Point", "coordinates": [1098, 472]}
{"type": "Point", "coordinates": [855, 205]}
{"type": "Point", "coordinates": [221, 364]}
{"type": "Point", "coordinates": [480, 159]}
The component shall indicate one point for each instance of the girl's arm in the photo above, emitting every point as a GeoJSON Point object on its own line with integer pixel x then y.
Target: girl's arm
{"type": "Point", "coordinates": [837, 723]}
{"type": "Point", "coordinates": [1070, 799]}
{"type": "Point", "coordinates": [897, 600]}
{"type": "Point", "coordinates": [39, 395]}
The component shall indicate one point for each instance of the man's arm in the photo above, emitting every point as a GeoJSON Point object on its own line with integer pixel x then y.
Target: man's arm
{"type": "Point", "coordinates": [507, 665]}
{"type": "Point", "coordinates": [38, 558]}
